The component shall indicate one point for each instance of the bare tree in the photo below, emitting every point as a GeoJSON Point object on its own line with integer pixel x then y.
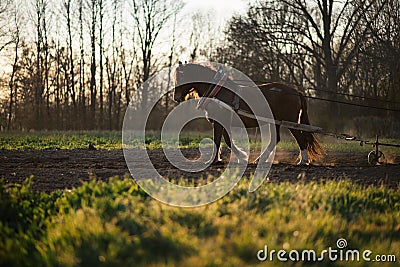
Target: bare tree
{"type": "Point", "coordinates": [111, 66]}
{"type": "Point", "coordinates": [41, 55]}
{"type": "Point", "coordinates": [58, 82]}
{"type": "Point", "coordinates": [93, 89]}
{"type": "Point", "coordinates": [252, 49]}
{"type": "Point", "coordinates": [379, 69]}
{"type": "Point", "coordinates": [171, 60]}
{"type": "Point", "coordinates": [128, 70]}
{"type": "Point", "coordinates": [11, 84]}
{"type": "Point", "coordinates": [150, 17]}
{"type": "Point", "coordinates": [67, 4]}
{"type": "Point", "coordinates": [4, 36]}
{"type": "Point", "coordinates": [332, 34]}
{"type": "Point", "coordinates": [195, 36]}
{"type": "Point", "coordinates": [46, 52]}
{"type": "Point", "coordinates": [101, 10]}
{"type": "Point", "coordinates": [82, 95]}
{"type": "Point", "coordinates": [386, 33]}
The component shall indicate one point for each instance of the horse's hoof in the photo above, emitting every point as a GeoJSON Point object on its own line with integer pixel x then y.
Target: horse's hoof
{"type": "Point", "coordinates": [303, 163]}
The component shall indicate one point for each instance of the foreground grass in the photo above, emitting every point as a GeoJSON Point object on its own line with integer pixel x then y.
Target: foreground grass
{"type": "Point", "coordinates": [113, 140]}
{"type": "Point", "coordinates": [117, 224]}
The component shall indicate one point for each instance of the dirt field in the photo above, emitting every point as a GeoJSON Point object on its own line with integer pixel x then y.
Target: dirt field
{"type": "Point", "coordinates": [60, 169]}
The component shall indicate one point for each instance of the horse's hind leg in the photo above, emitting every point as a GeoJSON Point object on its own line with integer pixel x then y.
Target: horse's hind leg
{"type": "Point", "coordinates": [241, 155]}
{"type": "Point", "coordinates": [302, 142]}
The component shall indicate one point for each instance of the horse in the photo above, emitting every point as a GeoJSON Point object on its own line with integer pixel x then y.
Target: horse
{"type": "Point", "coordinates": [286, 103]}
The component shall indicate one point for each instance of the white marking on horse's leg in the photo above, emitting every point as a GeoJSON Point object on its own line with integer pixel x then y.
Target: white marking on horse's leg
{"type": "Point", "coordinates": [299, 118]}
{"type": "Point", "coordinates": [218, 157]}
{"type": "Point", "coordinates": [303, 157]}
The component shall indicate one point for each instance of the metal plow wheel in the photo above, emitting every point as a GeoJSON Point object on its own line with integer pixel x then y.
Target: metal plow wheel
{"type": "Point", "coordinates": [375, 158]}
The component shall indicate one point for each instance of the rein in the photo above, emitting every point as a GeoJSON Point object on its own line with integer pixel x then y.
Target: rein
{"type": "Point", "coordinates": [219, 80]}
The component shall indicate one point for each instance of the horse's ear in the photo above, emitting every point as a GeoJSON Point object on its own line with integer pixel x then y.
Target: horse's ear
{"type": "Point", "coordinates": [180, 63]}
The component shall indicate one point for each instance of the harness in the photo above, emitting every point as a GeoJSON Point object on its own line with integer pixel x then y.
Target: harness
{"type": "Point", "coordinates": [219, 80]}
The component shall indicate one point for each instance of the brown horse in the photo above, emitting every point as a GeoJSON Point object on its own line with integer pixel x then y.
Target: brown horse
{"type": "Point", "coordinates": [286, 103]}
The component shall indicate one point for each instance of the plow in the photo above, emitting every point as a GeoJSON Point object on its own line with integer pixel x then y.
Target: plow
{"type": "Point", "coordinates": [375, 156]}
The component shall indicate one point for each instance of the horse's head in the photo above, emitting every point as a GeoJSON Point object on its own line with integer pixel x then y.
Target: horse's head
{"type": "Point", "coordinates": [190, 78]}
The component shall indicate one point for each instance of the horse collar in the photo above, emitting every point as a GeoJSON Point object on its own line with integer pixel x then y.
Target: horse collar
{"type": "Point", "coordinates": [219, 80]}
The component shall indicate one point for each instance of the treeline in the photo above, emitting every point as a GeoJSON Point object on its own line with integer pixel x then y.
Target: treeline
{"type": "Point", "coordinates": [75, 64]}
{"type": "Point", "coordinates": [329, 49]}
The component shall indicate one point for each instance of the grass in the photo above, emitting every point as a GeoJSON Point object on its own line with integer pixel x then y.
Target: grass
{"type": "Point", "coordinates": [113, 140]}
{"type": "Point", "coordinates": [117, 224]}
{"type": "Point", "coordinates": [60, 140]}
{"type": "Point", "coordinates": [80, 140]}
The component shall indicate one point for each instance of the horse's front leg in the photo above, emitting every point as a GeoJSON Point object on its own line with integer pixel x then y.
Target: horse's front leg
{"type": "Point", "coordinates": [241, 155]}
{"type": "Point", "coordinates": [217, 135]}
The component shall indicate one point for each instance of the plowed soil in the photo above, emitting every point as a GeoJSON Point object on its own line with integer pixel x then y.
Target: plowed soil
{"type": "Point", "coordinates": [61, 169]}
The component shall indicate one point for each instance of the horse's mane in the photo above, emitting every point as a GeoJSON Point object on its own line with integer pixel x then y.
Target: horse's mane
{"type": "Point", "coordinates": [194, 67]}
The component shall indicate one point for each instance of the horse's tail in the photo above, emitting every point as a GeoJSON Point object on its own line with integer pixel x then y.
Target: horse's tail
{"type": "Point", "coordinates": [314, 149]}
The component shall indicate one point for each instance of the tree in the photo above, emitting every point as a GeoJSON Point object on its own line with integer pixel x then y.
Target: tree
{"type": "Point", "coordinates": [315, 42]}
{"type": "Point", "coordinates": [40, 76]}
{"type": "Point", "coordinates": [67, 4]}
{"type": "Point", "coordinates": [379, 68]}
{"type": "Point", "coordinates": [170, 57]}
{"type": "Point", "coordinates": [150, 16]}
{"type": "Point", "coordinates": [93, 89]}
{"type": "Point", "coordinates": [252, 49]}
{"type": "Point", "coordinates": [82, 95]}
{"type": "Point", "coordinates": [112, 66]}
{"type": "Point", "coordinates": [101, 10]}
{"type": "Point", "coordinates": [331, 36]}
{"type": "Point", "coordinates": [4, 36]}
{"type": "Point", "coordinates": [11, 84]}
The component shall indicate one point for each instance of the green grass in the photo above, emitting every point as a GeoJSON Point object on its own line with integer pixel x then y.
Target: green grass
{"type": "Point", "coordinates": [117, 224]}
{"type": "Point", "coordinates": [78, 140]}
{"type": "Point", "coordinates": [113, 140]}
{"type": "Point", "coordinates": [60, 140]}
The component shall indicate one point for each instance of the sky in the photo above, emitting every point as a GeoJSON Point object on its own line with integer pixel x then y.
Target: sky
{"type": "Point", "coordinates": [223, 9]}
{"type": "Point", "coordinates": [214, 12]}
{"type": "Point", "coordinates": [217, 11]}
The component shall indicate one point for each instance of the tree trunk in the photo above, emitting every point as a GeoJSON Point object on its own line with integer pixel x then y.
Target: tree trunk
{"type": "Point", "coordinates": [93, 90]}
